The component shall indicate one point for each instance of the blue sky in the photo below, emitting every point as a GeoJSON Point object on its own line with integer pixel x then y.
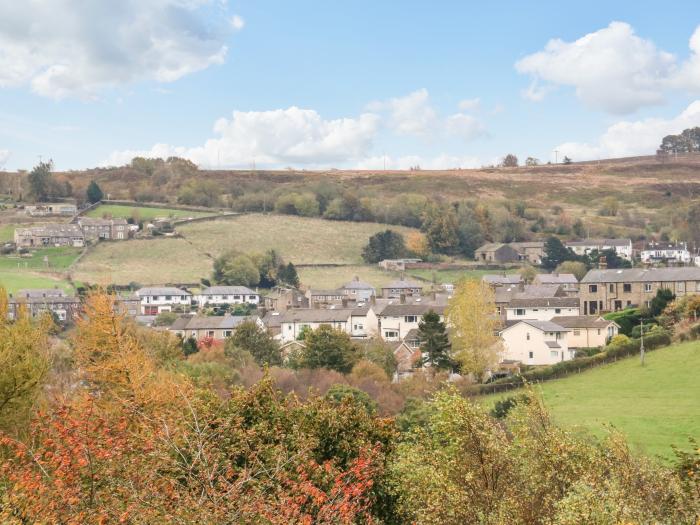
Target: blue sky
{"type": "Point", "coordinates": [351, 84]}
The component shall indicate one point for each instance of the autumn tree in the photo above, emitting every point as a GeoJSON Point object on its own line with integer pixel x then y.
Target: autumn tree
{"type": "Point", "coordinates": [329, 348]}
{"type": "Point", "coordinates": [40, 180]}
{"type": "Point", "coordinates": [417, 244]}
{"type": "Point", "coordinates": [257, 341]}
{"type": "Point", "coordinates": [578, 268]}
{"type": "Point", "coordinates": [234, 269]}
{"type": "Point", "coordinates": [440, 228]}
{"type": "Point", "coordinates": [434, 343]}
{"type": "Point", "coordinates": [473, 324]}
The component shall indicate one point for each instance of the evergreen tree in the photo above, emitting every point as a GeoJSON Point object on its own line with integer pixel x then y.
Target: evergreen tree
{"type": "Point", "coordinates": [288, 275]}
{"type": "Point", "coordinates": [94, 193]}
{"type": "Point", "coordinates": [256, 340]}
{"type": "Point", "coordinates": [556, 253]}
{"type": "Point", "coordinates": [384, 245]}
{"type": "Point", "coordinates": [435, 345]}
{"type": "Point", "coordinates": [40, 181]}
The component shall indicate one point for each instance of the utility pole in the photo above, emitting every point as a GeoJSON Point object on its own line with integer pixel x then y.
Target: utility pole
{"type": "Point", "coordinates": [641, 344]}
{"type": "Point", "coordinates": [556, 156]}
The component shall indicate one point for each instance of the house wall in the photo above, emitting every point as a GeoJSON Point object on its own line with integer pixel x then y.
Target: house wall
{"type": "Point", "coordinates": [608, 297]}
{"type": "Point", "coordinates": [399, 325]}
{"type": "Point", "coordinates": [226, 299]}
{"type": "Point", "coordinates": [291, 330]}
{"type": "Point", "coordinates": [590, 337]}
{"type": "Point", "coordinates": [518, 347]}
{"type": "Point", "coordinates": [541, 313]}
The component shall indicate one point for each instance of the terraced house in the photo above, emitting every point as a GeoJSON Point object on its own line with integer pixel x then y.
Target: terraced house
{"type": "Point", "coordinates": [610, 290]}
{"type": "Point", "coordinates": [49, 235]}
{"type": "Point", "coordinates": [104, 229]}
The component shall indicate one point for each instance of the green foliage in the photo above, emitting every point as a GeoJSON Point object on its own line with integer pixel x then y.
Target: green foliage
{"type": "Point", "coordinates": [503, 406]}
{"type": "Point", "coordinates": [329, 348]}
{"type": "Point", "coordinates": [252, 338]}
{"type": "Point", "coordinates": [340, 393]}
{"type": "Point", "coordinates": [235, 269]}
{"type": "Point", "coordinates": [189, 346]}
{"type": "Point", "coordinates": [612, 259]}
{"type": "Point", "coordinates": [441, 229]}
{"type": "Point", "coordinates": [304, 204]}
{"type": "Point", "coordinates": [288, 275]}
{"type": "Point", "coordinates": [435, 345]}
{"type": "Point", "coordinates": [94, 192]}
{"type": "Point", "coordinates": [688, 141]}
{"type": "Point", "coordinates": [384, 245]}
{"type": "Point", "coordinates": [663, 297]}
{"type": "Point", "coordinates": [469, 230]}
{"type": "Point", "coordinates": [40, 181]}
{"type": "Point", "coordinates": [556, 253]}
{"type": "Point", "coordinates": [199, 192]}
{"type": "Point", "coordinates": [578, 268]}
{"type": "Point", "coordinates": [381, 354]}
{"type": "Point", "coordinates": [627, 319]}
{"type": "Point", "coordinates": [165, 319]}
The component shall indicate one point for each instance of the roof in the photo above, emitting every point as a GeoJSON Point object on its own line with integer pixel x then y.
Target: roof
{"type": "Point", "coordinates": [600, 242]}
{"type": "Point", "coordinates": [495, 278]}
{"type": "Point", "coordinates": [527, 244]}
{"type": "Point", "coordinates": [203, 322]}
{"type": "Point", "coordinates": [52, 229]}
{"type": "Point", "coordinates": [403, 283]}
{"type": "Point", "coordinates": [316, 315]}
{"type": "Point", "coordinates": [412, 335]}
{"type": "Point", "coordinates": [97, 221]}
{"type": "Point", "coordinates": [227, 290]}
{"type": "Point", "coordinates": [336, 292]}
{"type": "Point", "coordinates": [356, 284]}
{"type": "Point", "coordinates": [545, 326]}
{"type": "Point", "coordinates": [45, 300]}
{"type": "Point", "coordinates": [161, 290]}
{"type": "Point", "coordinates": [552, 344]}
{"type": "Point", "coordinates": [581, 321]}
{"type": "Point", "coordinates": [490, 247]}
{"type": "Point", "coordinates": [397, 310]}
{"type": "Point", "coordinates": [41, 292]}
{"type": "Point", "coordinates": [644, 275]}
{"type": "Point", "coordinates": [656, 245]}
{"type": "Point", "coordinates": [556, 278]}
{"type": "Point", "coordinates": [543, 302]}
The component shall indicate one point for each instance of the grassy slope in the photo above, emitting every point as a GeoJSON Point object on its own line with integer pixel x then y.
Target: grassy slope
{"type": "Point", "coordinates": [453, 276]}
{"type": "Point", "coordinates": [162, 260]}
{"type": "Point", "coordinates": [655, 406]}
{"type": "Point", "coordinates": [32, 272]}
{"type": "Point", "coordinates": [125, 212]}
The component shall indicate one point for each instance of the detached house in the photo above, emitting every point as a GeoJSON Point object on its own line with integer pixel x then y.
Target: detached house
{"type": "Point", "coordinates": [226, 295]}
{"type": "Point", "coordinates": [358, 290]}
{"type": "Point", "coordinates": [536, 343]}
{"type": "Point", "coordinates": [156, 300]}
{"type": "Point", "coordinates": [587, 331]}
{"type": "Point", "coordinates": [396, 321]}
{"type": "Point", "coordinates": [104, 229]}
{"type": "Point", "coordinates": [294, 322]}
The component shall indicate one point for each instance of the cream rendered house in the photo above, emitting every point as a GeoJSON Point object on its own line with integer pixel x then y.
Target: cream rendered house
{"type": "Point", "coordinates": [587, 331]}
{"type": "Point", "coordinates": [541, 308]}
{"type": "Point", "coordinates": [536, 343]}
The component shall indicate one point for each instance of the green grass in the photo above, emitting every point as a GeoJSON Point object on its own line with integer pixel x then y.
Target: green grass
{"type": "Point", "coordinates": [58, 259]}
{"type": "Point", "coordinates": [453, 276]}
{"type": "Point", "coordinates": [7, 232]}
{"type": "Point", "coordinates": [119, 211]}
{"type": "Point", "coordinates": [655, 406]}
{"type": "Point", "coordinates": [330, 278]}
{"type": "Point", "coordinates": [13, 281]}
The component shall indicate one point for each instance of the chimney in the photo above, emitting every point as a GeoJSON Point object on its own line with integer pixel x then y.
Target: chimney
{"type": "Point", "coordinates": [344, 302]}
{"type": "Point", "coordinates": [373, 299]}
{"type": "Point", "coordinates": [433, 295]}
{"type": "Point", "coordinates": [402, 298]}
{"type": "Point", "coordinates": [602, 263]}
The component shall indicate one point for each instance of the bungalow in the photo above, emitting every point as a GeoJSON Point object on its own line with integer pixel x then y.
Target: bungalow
{"type": "Point", "coordinates": [395, 321]}
{"type": "Point", "coordinates": [497, 253]}
{"type": "Point", "coordinates": [156, 300]}
{"type": "Point", "coordinates": [358, 290]}
{"type": "Point", "coordinates": [587, 331]}
{"type": "Point", "coordinates": [660, 252]}
{"type": "Point", "coordinates": [536, 343]}
{"type": "Point", "coordinates": [622, 247]}
{"type": "Point", "coordinates": [226, 295]}
{"type": "Point", "coordinates": [541, 308]}
{"type": "Point", "coordinates": [49, 235]}
{"type": "Point", "coordinates": [214, 327]}
{"type": "Point", "coordinates": [402, 287]}
{"type": "Point", "coordinates": [294, 322]}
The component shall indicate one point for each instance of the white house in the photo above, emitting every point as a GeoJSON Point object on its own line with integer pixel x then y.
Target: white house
{"type": "Point", "coordinates": [587, 331]}
{"type": "Point", "coordinates": [158, 299]}
{"type": "Point", "coordinates": [655, 252]}
{"type": "Point", "coordinates": [395, 321]}
{"type": "Point", "coordinates": [294, 322]}
{"type": "Point", "coordinates": [541, 308]}
{"type": "Point", "coordinates": [622, 247]}
{"type": "Point", "coordinates": [536, 343]}
{"type": "Point", "coordinates": [358, 290]}
{"type": "Point", "coordinates": [223, 295]}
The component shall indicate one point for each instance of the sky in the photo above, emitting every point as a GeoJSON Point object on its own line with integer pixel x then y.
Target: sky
{"type": "Point", "coordinates": [361, 84]}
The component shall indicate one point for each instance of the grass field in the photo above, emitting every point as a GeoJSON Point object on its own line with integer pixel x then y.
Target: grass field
{"type": "Point", "coordinates": [655, 406]}
{"type": "Point", "coordinates": [13, 281]}
{"type": "Point", "coordinates": [118, 211]}
{"type": "Point", "coordinates": [33, 272]}
{"type": "Point", "coordinates": [453, 276]}
{"type": "Point", "coordinates": [330, 278]}
{"type": "Point", "coordinates": [7, 232]}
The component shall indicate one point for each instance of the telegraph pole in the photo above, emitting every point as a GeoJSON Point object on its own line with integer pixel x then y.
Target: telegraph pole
{"type": "Point", "coordinates": [556, 156]}
{"type": "Point", "coordinates": [641, 344]}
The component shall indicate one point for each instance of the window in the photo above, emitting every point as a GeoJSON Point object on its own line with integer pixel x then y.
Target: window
{"type": "Point", "coordinates": [557, 310]}
{"type": "Point", "coordinates": [598, 331]}
{"type": "Point", "coordinates": [391, 334]}
{"type": "Point", "coordinates": [210, 333]}
{"type": "Point", "coordinates": [527, 336]}
{"type": "Point", "coordinates": [647, 287]}
{"type": "Point", "coordinates": [520, 311]}
{"type": "Point", "coordinates": [531, 355]}
{"type": "Point", "coordinates": [593, 288]}
{"type": "Point", "coordinates": [227, 333]}
{"type": "Point", "coordinates": [359, 326]}
{"type": "Point", "coordinates": [627, 288]}
{"type": "Point", "coordinates": [680, 287]}
{"type": "Point", "coordinates": [410, 318]}
{"type": "Point", "coordinates": [554, 354]}
{"type": "Point", "coordinates": [168, 298]}
{"type": "Point", "coordinates": [612, 288]}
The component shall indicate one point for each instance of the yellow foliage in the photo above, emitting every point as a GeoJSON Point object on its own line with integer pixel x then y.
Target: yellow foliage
{"type": "Point", "coordinates": [417, 243]}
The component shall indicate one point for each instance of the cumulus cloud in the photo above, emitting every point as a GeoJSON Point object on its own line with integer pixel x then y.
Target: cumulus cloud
{"type": "Point", "coordinates": [469, 104]}
{"type": "Point", "coordinates": [65, 48]}
{"type": "Point", "coordinates": [4, 156]}
{"type": "Point", "coordinates": [611, 69]}
{"type": "Point", "coordinates": [237, 22]}
{"type": "Point", "coordinates": [464, 126]}
{"type": "Point", "coordinates": [630, 138]}
{"type": "Point", "coordinates": [280, 137]}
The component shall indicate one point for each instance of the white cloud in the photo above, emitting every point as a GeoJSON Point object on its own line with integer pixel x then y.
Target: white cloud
{"type": "Point", "coordinates": [464, 126]}
{"type": "Point", "coordinates": [689, 75]}
{"type": "Point", "coordinates": [630, 138]}
{"type": "Point", "coordinates": [439, 162]}
{"type": "Point", "coordinates": [469, 104]}
{"type": "Point", "coordinates": [65, 48]}
{"type": "Point", "coordinates": [611, 69]}
{"type": "Point", "coordinates": [237, 22]}
{"type": "Point", "coordinates": [409, 115]}
{"type": "Point", "coordinates": [276, 138]}
{"type": "Point", "coordinates": [4, 156]}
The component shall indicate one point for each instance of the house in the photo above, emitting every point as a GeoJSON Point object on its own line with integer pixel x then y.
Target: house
{"type": "Point", "coordinates": [494, 280]}
{"type": "Point", "coordinates": [61, 209]}
{"type": "Point", "coordinates": [215, 327]}
{"type": "Point", "coordinates": [503, 295]}
{"type": "Point", "coordinates": [396, 265]}
{"type": "Point", "coordinates": [273, 322]}
{"type": "Point", "coordinates": [50, 235]}
{"type": "Point", "coordinates": [358, 290]}
{"type": "Point", "coordinates": [294, 322]}
{"type": "Point", "coordinates": [406, 358]}
{"type": "Point", "coordinates": [128, 305]}
{"type": "Point", "coordinates": [282, 299]}
{"type": "Point", "coordinates": [95, 229]}
{"type": "Point", "coordinates": [395, 321]}
{"type": "Point", "coordinates": [497, 253]}
{"type": "Point", "coordinates": [567, 281]}
{"type": "Point", "coordinates": [156, 300]}
{"type": "Point", "coordinates": [541, 308]}
{"type": "Point", "coordinates": [40, 300]}
{"type": "Point", "coordinates": [226, 295]}
{"type": "Point", "coordinates": [665, 252]}
{"type": "Point", "coordinates": [610, 290]}
{"type": "Point", "coordinates": [587, 331]}
{"type": "Point", "coordinates": [529, 251]}
{"type": "Point", "coordinates": [291, 348]}
{"type": "Point", "coordinates": [536, 343]}
{"type": "Point", "coordinates": [326, 297]}
{"type": "Point", "coordinates": [402, 287]}
{"type": "Point", "coordinates": [622, 247]}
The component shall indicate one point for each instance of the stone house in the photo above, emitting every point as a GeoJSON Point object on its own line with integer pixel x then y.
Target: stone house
{"type": "Point", "coordinates": [497, 253]}
{"type": "Point", "coordinates": [37, 301]}
{"type": "Point", "coordinates": [47, 209]}
{"type": "Point", "coordinates": [402, 287]}
{"type": "Point", "coordinates": [95, 229]}
{"type": "Point", "coordinates": [529, 251]}
{"type": "Point", "coordinates": [358, 290]}
{"type": "Point", "coordinates": [215, 327]}
{"type": "Point", "coordinates": [49, 235]}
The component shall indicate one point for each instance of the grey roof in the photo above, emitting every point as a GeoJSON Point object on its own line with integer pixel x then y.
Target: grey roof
{"type": "Point", "coordinates": [356, 284]}
{"type": "Point", "coordinates": [396, 310]}
{"type": "Point", "coordinates": [543, 302]}
{"type": "Point", "coordinates": [412, 335]}
{"type": "Point", "coordinates": [204, 322]}
{"type": "Point", "coordinates": [581, 321]}
{"type": "Point", "coordinates": [316, 315]}
{"type": "Point", "coordinates": [180, 323]}
{"type": "Point", "coordinates": [161, 290]}
{"type": "Point", "coordinates": [556, 278]}
{"type": "Point", "coordinates": [227, 290]}
{"type": "Point", "coordinates": [97, 221]}
{"type": "Point", "coordinates": [41, 292]}
{"type": "Point", "coordinates": [403, 283]}
{"type": "Point", "coordinates": [45, 300]}
{"type": "Point", "coordinates": [65, 230]}
{"type": "Point", "coordinates": [644, 275]}
{"type": "Point", "coordinates": [545, 326]}
{"type": "Point", "coordinates": [494, 278]}
{"type": "Point", "coordinates": [600, 242]}
{"type": "Point", "coordinates": [661, 245]}
{"type": "Point", "coordinates": [272, 319]}
{"type": "Point", "coordinates": [490, 247]}
{"type": "Point", "coordinates": [552, 344]}
{"type": "Point", "coordinates": [336, 292]}
{"type": "Point", "coordinates": [527, 244]}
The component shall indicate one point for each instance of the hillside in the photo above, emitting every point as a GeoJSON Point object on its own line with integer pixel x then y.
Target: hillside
{"type": "Point", "coordinates": [655, 406]}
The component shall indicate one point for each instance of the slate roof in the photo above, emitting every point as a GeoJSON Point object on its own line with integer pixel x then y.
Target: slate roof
{"type": "Point", "coordinates": [545, 326]}
{"type": "Point", "coordinates": [227, 290]}
{"type": "Point", "coordinates": [403, 283]}
{"type": "Point", "coordinates": [552, 344]}
{"type": "Point", "coordinates": [204, 322]}
{"type": "Point", "coordinates": [397, 310]}
{"type": "Point", "coordinates": [52, 230]}
{"type": "Point", "coordinates": [494, 278]}
{"type": "Point", "coordinates": [600, 242]}
{"type": "Point", "coordinates": [644, 275]}
{"type": "Point", "coordinates": [544, 302]}
{"type": "Point", "coordinates": [356, 284]}
{"type": "Point", "coordinates": [581, 321]}
{"type": "Point", "coordinates": [161, 290]}
{"type": "Point", "coordinates": [41, 292]}
{"type": "Point", "coordinates": [316, 315]}
{"type": "Point", "coordinates": [556, 278]}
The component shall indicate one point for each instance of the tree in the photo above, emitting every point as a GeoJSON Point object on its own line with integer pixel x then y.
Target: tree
{"type": "Point", "coordinates": [663, 297]}
{"type": "Point", "coordinates": [40, 180]}
{"type": "Point", "coordinates": [340, 393]}
{"type": "Point", "coordinates": [288, 275]}
{"type": "Point", "coordinates": [532, 161]}
{"type": "Point", "coordinates": [434, 343]}
{"type": "Point", "coordinates": [510, 161]}
{"type": "Point", "coordinates": [252, 338]}
{"type": "Point", "coordinates": [693, 221]}
{"type": "Point", "coordinates": [473, 323]}
{"type": "Point", "coordinates": [384, 245]}
{"type": "Point", "coordinates": [440, 228]}
{"type": "Point", "coordinates": [566, 160]}
{"type": "Point", "coordinates": [469, 230]}
{"type": "Point", "coordinates": [687, 141]}
{"type": "Point", "coordinates": [528, 273]}
{"type": "Point", "coordinates": [329, 348]}
{"type": "Point", "coordinates": [609, 207]}
{"type": "Point", "coordinates": [233, 269]}
{"type": "Point", "coordinates": [578, 268]}
{"type": "Point", "coordinates": [417, 244]}
{"type": "Point", "coordinates": [612, 259]}
{"type": "Point", "coordinates": [268, 265]}
{"type": "Point", "coordinates": [381, 353]}
{"type": "Point", "coordinates": [94, 193]}
{"type": "Point", "coordinates": [556, 253]}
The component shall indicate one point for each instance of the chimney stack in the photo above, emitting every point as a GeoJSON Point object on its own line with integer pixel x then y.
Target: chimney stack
{"type": "Point", "coordinates": [402, 298]}
{"type": "Point", "coordinates": [602, 263]}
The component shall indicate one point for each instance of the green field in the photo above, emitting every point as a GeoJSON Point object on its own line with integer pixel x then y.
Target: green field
{"type": "Point", "coordinates": [330, 278]}
{"type": "Point", "coordinates": [188, 259]}
{"type": "Point", "coordinates": [125, 212]}
{"type": "Point", "coordinates": [34, 272]}
{"type": "Point", "coordinates": [655, 406]}
{"type": "Point", "coordinates": [7, 232]}
{"type": "Point", "coordinates": [453, 276]}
